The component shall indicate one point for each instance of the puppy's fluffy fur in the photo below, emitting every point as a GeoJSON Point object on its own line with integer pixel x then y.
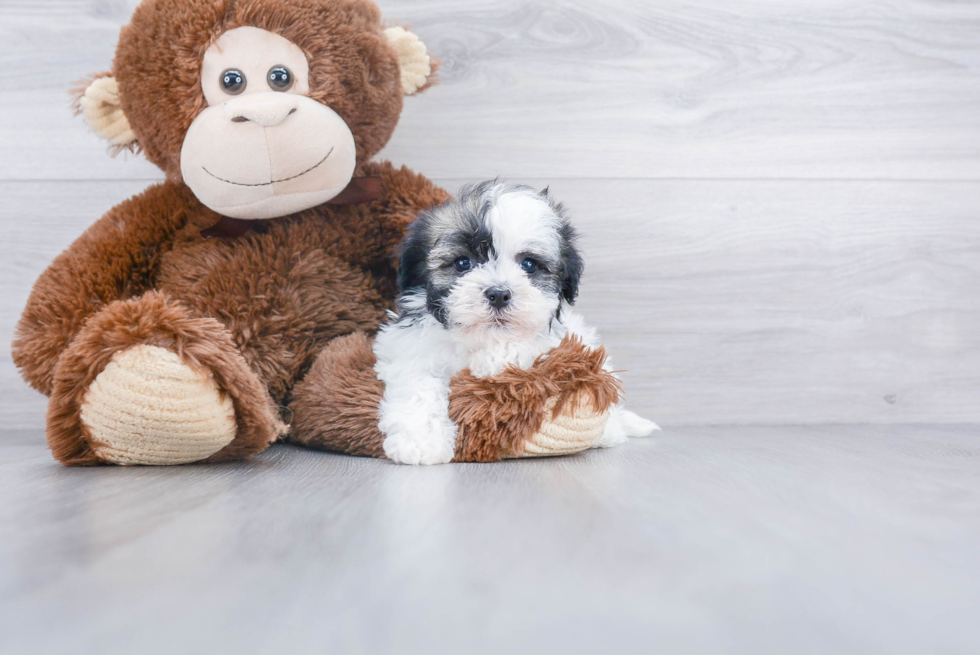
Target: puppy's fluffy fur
{"type": "Point", "coordinates": [484, 282]}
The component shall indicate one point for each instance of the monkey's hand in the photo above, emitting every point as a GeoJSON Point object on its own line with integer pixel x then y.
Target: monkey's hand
{"type": "Point", "coordinates": [558, 406]}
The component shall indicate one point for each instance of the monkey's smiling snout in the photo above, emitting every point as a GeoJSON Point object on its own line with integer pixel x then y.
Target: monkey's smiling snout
{"type": "Point", "coordinates": [262, 147]}
{"type": "Point", "coordinates": [290, 154]}
{"type": "Point", "coordinates": [270, 182]}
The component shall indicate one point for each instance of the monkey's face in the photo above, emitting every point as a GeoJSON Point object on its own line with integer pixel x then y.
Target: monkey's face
{"type": "Point", "coordinates": [263, 148]}
{"type": "Point", "coordinates": [262, 107]}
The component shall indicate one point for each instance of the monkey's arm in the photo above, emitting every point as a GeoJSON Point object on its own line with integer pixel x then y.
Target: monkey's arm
{"type": "Point", "coordinates": [558, 406]}
{"type": "Point", "coordinates": [116, 258]}
{"type": "Point", "coordinates": [368, 234]}
{"type": "Point", "coordinates": [404, 194]}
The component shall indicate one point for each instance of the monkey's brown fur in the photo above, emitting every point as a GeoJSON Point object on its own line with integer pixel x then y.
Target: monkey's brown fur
{"type": "Point", "coordinates": [337, 403]}
{"type": "Point", "coordinates": [258, 310]}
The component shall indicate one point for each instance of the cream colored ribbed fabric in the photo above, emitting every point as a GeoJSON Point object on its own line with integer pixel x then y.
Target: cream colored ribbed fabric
{"type": "Point", "coordinates": [413, 58]}
{"type": "Point", "coordinates": [148, 407]}
{"type": "Point", "coordinates": [102, 107]}
{"type": "Point", "coordinates": [577, 428]}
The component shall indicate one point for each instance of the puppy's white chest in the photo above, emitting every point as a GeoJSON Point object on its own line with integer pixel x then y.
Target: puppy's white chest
{"type": "Point", "coordinates": [492, 358]}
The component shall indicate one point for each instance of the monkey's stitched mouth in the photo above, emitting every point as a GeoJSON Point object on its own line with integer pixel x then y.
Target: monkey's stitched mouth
{"type": "Point", "coordinates": [285, 179]}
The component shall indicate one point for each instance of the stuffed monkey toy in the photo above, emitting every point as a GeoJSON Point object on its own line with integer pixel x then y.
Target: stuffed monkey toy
{"type": "Point", "coordinates": [231, 305]}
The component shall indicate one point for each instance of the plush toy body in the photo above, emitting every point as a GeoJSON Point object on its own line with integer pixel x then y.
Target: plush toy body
{"type": "Point", "coordinates": [160, 345]}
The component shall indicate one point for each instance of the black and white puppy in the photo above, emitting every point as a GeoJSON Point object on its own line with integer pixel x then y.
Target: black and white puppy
{"type": "Point", "coordinates": [484, 282]}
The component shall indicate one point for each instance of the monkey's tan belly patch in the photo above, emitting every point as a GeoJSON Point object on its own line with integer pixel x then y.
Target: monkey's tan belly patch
{"type": "Point", "coordinates": [578, 428]}
{"type": "Point", "coordinates": [148, 407]}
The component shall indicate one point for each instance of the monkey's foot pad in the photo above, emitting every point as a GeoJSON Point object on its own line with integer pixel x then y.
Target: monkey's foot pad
{"type": "Point", "coordinates": [576, 429]}
{"type": "Point", "coordinates": [148, 407]}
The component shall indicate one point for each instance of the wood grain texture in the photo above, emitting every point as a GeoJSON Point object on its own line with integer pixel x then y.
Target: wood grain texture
{"type": "Point", "coordinates": [727, 302]}
{"type": "Point", "coordinates": [704, 540]}
{"type": "Point", "coordinates": [754, 88]}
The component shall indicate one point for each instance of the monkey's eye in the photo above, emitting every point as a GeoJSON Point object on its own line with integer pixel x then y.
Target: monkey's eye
{"type": "Point", "coordinates": [233, 81]}
{"type": "Point", "coordinates": [462, 265]}
{"type": "Point", "coordinates": [280, 79]}
{"type": "Point", "coordinates": [529, 265]}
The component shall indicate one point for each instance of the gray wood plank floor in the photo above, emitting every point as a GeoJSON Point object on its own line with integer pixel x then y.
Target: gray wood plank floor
{"type": "Point", "coordinates": [735, 540]}
{"type": "Point", "coordinates": [780, 207]}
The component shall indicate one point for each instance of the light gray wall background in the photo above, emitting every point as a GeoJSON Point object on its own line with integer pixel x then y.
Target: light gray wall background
{"type": "Point", "coordinates": [779, 200]}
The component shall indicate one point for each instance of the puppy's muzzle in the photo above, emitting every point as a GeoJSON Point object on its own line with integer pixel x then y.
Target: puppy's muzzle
{"type": "Point", "coordinates": [499, 297]}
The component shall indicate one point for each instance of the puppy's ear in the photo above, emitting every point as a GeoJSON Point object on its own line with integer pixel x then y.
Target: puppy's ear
{"type": "Point", "coordinates": [412, 262]}
{"type": "Point", "coordinates": [573, 265]}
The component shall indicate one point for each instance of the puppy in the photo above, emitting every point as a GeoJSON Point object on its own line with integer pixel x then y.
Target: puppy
{"type": "Point", "coordinates": [484, 282]}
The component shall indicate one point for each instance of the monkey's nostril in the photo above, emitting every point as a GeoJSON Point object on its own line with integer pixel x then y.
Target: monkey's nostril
{"type": "Point", "coordinates": [239, 119]}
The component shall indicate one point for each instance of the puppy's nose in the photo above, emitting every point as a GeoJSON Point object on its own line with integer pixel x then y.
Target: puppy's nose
{"type": "Point", "coordinates": [266, 109]}
{"type": "Point", "coordinates": [499, 297]}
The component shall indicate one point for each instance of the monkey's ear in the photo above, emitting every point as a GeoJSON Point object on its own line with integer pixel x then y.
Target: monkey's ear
{"type": "Point", "coordinates": [413, 59]}
{"type": "Point", "coordinates": [99, 99]}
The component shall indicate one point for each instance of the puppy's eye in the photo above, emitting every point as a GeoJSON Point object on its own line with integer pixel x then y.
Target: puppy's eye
{"type": "Point", "coordinates": [462, 265]}
{"type": "Point", "coordinates": [280, 79]}
{"type": "Point", "coordinates": [529, 266]}
{"type": "Point", "coordinates": [233, 81]}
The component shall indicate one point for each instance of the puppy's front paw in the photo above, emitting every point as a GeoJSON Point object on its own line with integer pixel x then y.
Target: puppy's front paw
{"type": "Point", "coordinates": [406, 445]}
{"type": "Point", "coordinates": [402, 448]}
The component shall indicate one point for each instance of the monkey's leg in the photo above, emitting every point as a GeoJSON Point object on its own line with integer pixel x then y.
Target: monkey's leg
{"type": "Point", "coordinates": [148, 382]}
{"type": "Point", "coordinates": [335, 407]}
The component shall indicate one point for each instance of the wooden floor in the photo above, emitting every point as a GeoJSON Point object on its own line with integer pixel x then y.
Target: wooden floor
{"type": "Point", "coordinates": [736, 540]}
{"type": "Point", "coordinates": [780, 209]}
